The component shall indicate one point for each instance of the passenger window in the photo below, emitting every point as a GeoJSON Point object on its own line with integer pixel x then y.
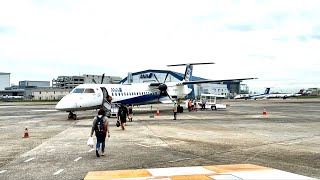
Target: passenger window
{"type": "Point", "coordinates": [89, 91]}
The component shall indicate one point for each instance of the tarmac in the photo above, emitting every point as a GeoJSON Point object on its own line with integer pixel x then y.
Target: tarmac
{"type": "Point", "coordinates": [287, 139]}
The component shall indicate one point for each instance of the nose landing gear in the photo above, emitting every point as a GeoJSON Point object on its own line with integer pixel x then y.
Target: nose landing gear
{"type": "Point", "coordinates": [72, 116]}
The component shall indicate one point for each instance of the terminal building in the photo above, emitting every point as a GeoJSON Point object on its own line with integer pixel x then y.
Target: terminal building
{"type": "Point", "coordinates": [70, 82]}
{"type": "Point", "coordinates": [148, 76]}
{"type": "Point", "coordinates": [4, 80]}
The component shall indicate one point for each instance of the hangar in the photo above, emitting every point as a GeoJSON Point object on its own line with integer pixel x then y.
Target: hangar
{"type": "Point", "coordinates": [226, 88]}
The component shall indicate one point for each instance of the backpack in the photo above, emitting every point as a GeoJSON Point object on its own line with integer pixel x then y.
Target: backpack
{"type": "Point", "coordinates": [122, 112]}
{"type": "Point", "coordinates": [99, 125]}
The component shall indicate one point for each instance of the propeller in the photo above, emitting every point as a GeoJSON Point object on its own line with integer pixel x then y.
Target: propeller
{"type": "Point", "coordinates": [102, 78]}
{"type": "Point", "coordinates": [163, 87]}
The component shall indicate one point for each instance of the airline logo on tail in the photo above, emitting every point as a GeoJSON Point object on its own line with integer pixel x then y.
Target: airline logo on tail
{"type": "Point", "coordinates": [267, 91]}
{"type": "Point", "coordinates": [188, 73]}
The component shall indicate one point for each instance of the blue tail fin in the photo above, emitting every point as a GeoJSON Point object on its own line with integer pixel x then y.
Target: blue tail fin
{"type": "Point", "coordinates": [267, 91]}
{"type": "Point", "coordinates": [188, 73]}
{"type": "Point", "coordinates": [189, 68]}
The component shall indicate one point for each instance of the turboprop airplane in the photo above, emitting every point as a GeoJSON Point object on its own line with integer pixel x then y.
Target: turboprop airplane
{"type": "Point", "coordinates": [95, 96]}
{"type": "Point", "coordinates": [284, 95]}
{"type": "Point", "coordinates": [253, 96]}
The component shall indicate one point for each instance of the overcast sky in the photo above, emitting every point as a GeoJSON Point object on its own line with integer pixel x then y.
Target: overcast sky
{"type": "Point", "coordinates": [276, 41]}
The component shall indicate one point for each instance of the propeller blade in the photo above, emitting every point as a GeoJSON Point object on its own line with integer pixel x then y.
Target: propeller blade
{"type": "Point", "coordinates": [166, 77]}
{"type": "Point", "coordinates": [102, 78]}
{"type": "Point", "coordinates": [156, 78]}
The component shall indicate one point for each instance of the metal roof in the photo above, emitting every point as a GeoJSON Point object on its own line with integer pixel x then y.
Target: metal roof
{"type": "Point", "coordinates": [177, 75]}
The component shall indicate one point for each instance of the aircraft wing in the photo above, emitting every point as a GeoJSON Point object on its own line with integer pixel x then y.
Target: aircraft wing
{"type": "Point", "coordinates": [213, 81]}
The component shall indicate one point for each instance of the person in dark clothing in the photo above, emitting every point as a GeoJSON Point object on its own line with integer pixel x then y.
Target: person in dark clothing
{"type": "Point", "coordinates": [130, 110]}
{"type": "Point", "coordinates": [100, 126]}
{"type": "Point", "coordinates": [122, 115]}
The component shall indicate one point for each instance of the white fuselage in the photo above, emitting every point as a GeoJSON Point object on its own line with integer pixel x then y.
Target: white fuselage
{"type": "Point", "coordinates": [283, 95]}
{"type": "Point", "coordinates": [91, 96]}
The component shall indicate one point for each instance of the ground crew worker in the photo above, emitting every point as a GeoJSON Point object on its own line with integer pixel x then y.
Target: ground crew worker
{"type": "Point", "coordinates": [175, 110]}
{"type": "Point", "coordinates": [203, 104]}
{"type": "Point", "coordinates": [189, 105]}
{"type": "Point", "coordinates": [100, 126]}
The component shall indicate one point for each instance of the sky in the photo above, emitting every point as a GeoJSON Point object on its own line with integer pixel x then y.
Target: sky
{"type": "Point", "coordinates": [277, 42]}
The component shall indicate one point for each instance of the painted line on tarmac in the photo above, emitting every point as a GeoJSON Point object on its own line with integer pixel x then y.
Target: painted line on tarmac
{"type": "Point", "coordinates": [58, 172]}
{"type": "Point", "coordinates": [142, 145]}
{"type": "Point", "coordinates": [3, 171]}
{"type": "Point", "coordinates": [40, 110]}
{"type": "Point", "coordinates": [192, 117]}
{"type": "Point", "coordinates": [91, 150]}
{"type": "Point", "coordinates": [77, 159]}
{"type": "Point", "coordinates": [182, 133]}
{"type": "Point", "coordinates": [79, 138]}
{"type": "Point", "coordinates": [51, 150]}
{"type": "Point", "coordinates": [29, 159]}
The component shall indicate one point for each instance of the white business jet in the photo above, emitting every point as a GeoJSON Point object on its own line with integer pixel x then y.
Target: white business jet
{"type": "Point", "coordinates": [95, 96]}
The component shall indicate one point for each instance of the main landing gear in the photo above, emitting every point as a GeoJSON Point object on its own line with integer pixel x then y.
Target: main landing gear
{"type": "Point", "coordinates": [72, 116]}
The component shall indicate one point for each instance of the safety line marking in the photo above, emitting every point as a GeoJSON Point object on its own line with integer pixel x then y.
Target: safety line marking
{"type": "Point", "coordinates": [58, 172]}
{"type": "Point", "coordinates": [3, 171]}
{"type": "Point", "coordinates": [51, 150]}
{"type": "Point", "coordinates": [29, 159]}
{"type": "Point", "coordinates": [143, 145]}
{"type": "Point", "coordinates": [77, 159]}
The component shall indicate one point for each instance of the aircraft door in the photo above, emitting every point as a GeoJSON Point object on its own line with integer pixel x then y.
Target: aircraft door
{"type": "Point", "coordinates": [106, 97]}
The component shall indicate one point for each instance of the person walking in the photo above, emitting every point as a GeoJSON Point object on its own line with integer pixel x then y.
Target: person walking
{"type": "Point", "coordinates": [122, 115]}
{"type": "Point", "coordinates": [130, 110]}
{"type": "Point", "coordinates": [100, 126]}
{"type": "Point", "coordinates": [175, 110]}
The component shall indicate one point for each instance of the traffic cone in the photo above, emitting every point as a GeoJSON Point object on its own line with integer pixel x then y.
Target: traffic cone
{"type": "Point", "coordinates": [264, 111]}
{"type": "Point", "coordinates": [158, 112]}
{"type": "Point", "coordinates": [26, 134]}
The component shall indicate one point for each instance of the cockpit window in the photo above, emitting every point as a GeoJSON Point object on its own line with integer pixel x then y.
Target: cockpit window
{"type": "Point", "coordinates": [89, 91]}
{"type": "Point", "coordinates": [78, 90]}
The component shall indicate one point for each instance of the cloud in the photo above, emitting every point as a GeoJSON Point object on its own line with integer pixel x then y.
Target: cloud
{"type": "Point", "coordinates": [264, 39]}
{"type": "Point", "coordinates": [241, 27]}
{"type": "Point", "coordinates": [4, 29]}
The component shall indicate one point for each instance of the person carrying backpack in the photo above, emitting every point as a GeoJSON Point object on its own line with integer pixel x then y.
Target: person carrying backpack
{"type": "Point", "coordinates": [100, 126]}
{"type": "Point", "coordinates": [122, 115]}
